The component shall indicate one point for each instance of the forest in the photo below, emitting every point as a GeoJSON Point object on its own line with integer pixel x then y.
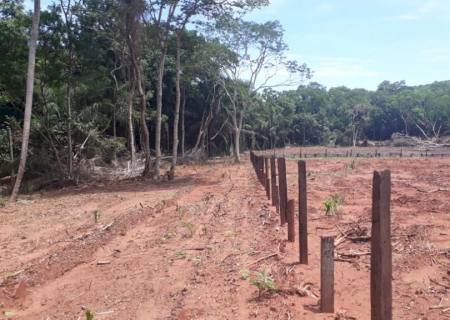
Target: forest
{"type": "Point", "coordinates": [176, 81]}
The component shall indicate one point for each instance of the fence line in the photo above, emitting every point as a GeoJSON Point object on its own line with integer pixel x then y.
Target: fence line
{"type": "Point", "coordinates": [381, 249]}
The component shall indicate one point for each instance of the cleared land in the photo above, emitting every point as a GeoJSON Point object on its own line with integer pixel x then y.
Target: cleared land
{"type": "Point", "coordinates": [178, 250]}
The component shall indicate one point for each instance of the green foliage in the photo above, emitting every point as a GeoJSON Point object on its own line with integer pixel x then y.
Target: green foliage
{"type": "Point", "coordinates": [263, 281]}
{"type": "Point", "coordinates": [204, 230]}
{"type": "Point", "coordinates": [245, 274]}
{"type": "Point", "coordinates": [86, 61]}
{"type": "Point", "coordinates": [189, 227]}
{"type": "Point", "coordinates": [349, 167]}
{"type": "Point", "coordinates": [331, 204]}
{"type": "Point", "coordinates": [89, 315]}
{"type": "Point", "coordinates": [96, 214]}
{"type": "Point", "coordinates": [181, 254]}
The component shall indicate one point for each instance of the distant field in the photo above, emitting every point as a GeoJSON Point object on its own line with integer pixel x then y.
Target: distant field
{"type": "Point", "coordinates": [361, 152]}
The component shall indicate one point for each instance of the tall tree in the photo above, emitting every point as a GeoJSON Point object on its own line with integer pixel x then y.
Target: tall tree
{"type": "Point", "coordinates": [28, 99]}
{"type": "Point", "coordinates": [161, 14]}
{"type": "Point", "coordinates": [133, 11]}
{"type": "Point", "coordinates": [260, 54]}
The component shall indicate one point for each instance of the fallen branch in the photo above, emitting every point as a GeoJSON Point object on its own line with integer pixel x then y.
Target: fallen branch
{"type": "Point", "coordinates": [197, 248]}
{"type": "Point", "coordinates": [440, 284]}
{"type": "Point", "coordinates": [263, 258]}
{"type": "Point", "coordinates": [106, 227]}
{"type": "Point", "coordinates": [354, 254]}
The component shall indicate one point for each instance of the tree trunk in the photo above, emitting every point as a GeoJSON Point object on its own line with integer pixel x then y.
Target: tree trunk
{"type": "Point", "coordinates": [354, 135]}
{"type": "Point", "coordinates": [423, 131]}
{"type": "Point", "coordinates": [132, 24]}
{"type": "Point", "coordinates": [159, 93]}
{"type": "Point", "coordinates": [11, 155]}
{"type": "Point", "coordinates": [167, 131]}
{"type": "Point", "coordinates": [69, 131]}
{"type": "Point", "coordinates": [28, 99]}
{"type": "Point", "coordinates": [200, 134]}
{"type": "Point", "coordinates": [237, 138]}
{"type": "Point", "coordinates": [132, 145]}
{"type": "Point", "coordinates": [177, 108]}
{"type": "Point", "coordinates": [183, 107]}
{"type": "Point", "coordinates": [145, 134]}
{"type": "Point", "coordinates": [405, 123]}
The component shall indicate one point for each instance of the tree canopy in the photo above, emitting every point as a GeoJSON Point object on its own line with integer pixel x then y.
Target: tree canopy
{"type": "Point", "coordinates": [115, 78]}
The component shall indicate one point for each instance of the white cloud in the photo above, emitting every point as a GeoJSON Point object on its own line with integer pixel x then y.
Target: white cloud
{"type": "Point", "coordinates": [348, 71]}
{"type": "Point", "coordinates": [407, 17]}
{"type": "Point", "coordinates": [325, 7]}
{"type": "Point", "coordinates": [426, 8]}
{"type": "Point", "coordinates": [434, 55]}
{"type": "Point", "coordinates": [344, 68]}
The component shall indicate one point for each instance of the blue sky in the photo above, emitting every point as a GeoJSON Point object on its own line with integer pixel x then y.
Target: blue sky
{"type": "Point", "coordinates": [359, 43]}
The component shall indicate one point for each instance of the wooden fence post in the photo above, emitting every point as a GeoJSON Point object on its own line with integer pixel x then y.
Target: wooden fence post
{"type": "Point", "coordinates": [282, 188]}
{"type": "Point", "coordinates": [257, 168]}
{"type": "Point", "coordinates": [273, 179]}
{"type": "Point", "coordinates": [263, 179]}
{"type": "Point", "coordinates": [381, 249]}
{"type": "Point", "coordinates": [267, 177]}
{"type": "Point", "coordinates": [277, 199]}
{"type": "Point", "coordinates": [302, 213]}
{"type": "Point", "coordinates": [260, 169]}
{"type": "Point", "coordinates": [327, 275]}
{"type": "Point", "coordinates": [291, 220]}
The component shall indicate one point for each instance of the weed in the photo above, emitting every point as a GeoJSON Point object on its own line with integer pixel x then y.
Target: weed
{"type": "Point", "coordinates": [190, 227]}
{"type": "Point", "coordinates": [228, 233]}
{"type": "Point", "coordinates": [197, 260]}
{"type": "Point", "coordinates": [2, 202]}
{"type": "Point", "coordinates": [263, 282]}
{"type": "Point", "coordinates": [96, 215]}
{"type": "Point", "coordinates": [208, 197]}
{"type": "Point", "coordinates": [349, 167]}
{"type": "Point", "coordinates": [331, 204]}
{"type": "Point", "coordinates": [204, 230]}
{"type": "Point", "coordinates": [180, 211]}
{"type": "Point", "coordinates": [89, 315]}
{"type": "Point", "coordinates": [180, 254]}
{"type": "Point", "coordinates": [167, 235]}
{"type": "Point", "coordinates": [245, 274]}
{"type": "Point", "coordinates": [8, 314]}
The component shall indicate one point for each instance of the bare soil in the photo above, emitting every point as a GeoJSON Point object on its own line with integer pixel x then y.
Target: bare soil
{"type": "Point", "coordinates": [137, 249]}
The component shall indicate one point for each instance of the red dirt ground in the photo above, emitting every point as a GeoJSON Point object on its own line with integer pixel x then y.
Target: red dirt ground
{"type": "Point", "coordinates": [178, 250]}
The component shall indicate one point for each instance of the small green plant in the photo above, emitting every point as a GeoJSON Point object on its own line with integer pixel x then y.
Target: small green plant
{"type": "Point", "coordinates": [263, 282]}
{"type": "Point", "coordinates": [89, 315]}
{"type": "Point", "coordinates": [245, 274]}
{"type": "Point", "coordinates": [208, 197]}
{"type": "Point", "coordinates": [180, 254]}
{"type": "Point", "coordinates": [349, 167]}
{"type": "Point", "coordinates": [167, 235]}
{"type": "Point", "coordinates": [228, 233]}
{"type": "Point", "coordinates": [8, 314]}
{"type": "Point", "coordinates": [197, 260]}
{"type": "Point", "coordinates": [190, 227]}
{"type": "Point", "coordinates": [96, 215]}
{"type": "Point", "coordinates": [331, 204]}
{"type": "Point", "coordinates": [2, 202]}
{"type": "Point", "coordinates": [180, 211]}
{"type": "Point", "coordinates": [204, 230]}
